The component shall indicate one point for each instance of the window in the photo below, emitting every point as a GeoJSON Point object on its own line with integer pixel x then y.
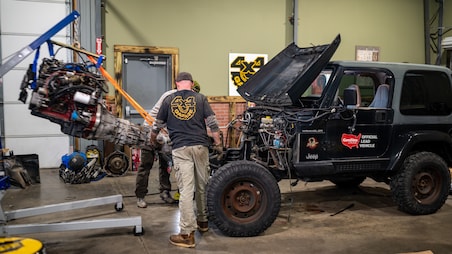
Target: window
{"type": "Point", "coordinates": [319, 84]}
{"type": "Point", "coordinates": [367, 81]}
{"type": "Point", "coordinates": [426, 93]}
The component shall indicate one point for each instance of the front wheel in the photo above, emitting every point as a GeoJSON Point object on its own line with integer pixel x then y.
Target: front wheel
{"type": "Point", "coordinates": [243, 199]}
{"type": "Point", "coordinates": [422, 185]}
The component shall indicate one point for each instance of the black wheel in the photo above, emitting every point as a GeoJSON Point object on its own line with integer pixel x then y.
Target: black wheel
{"type": "Point", "coordinates": [422, 185]}
{"type": "Point", "coordinates": [137, 232]}
{"type": "Point", "coordinates": [119, 208]}
{"type": "Point", "coordinates": [243, 199]}
{"type": "Point", "coordinates": [348, 182]}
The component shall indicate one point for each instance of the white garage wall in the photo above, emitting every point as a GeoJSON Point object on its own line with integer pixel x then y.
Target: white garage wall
{"type": "Point", "coordinates": [21, 22]}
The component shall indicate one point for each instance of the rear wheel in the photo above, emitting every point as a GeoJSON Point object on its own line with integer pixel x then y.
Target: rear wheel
{"type": "Point", "coordinates": [243, 199]}
{"type": "Point", "coordinates": [422, 185]}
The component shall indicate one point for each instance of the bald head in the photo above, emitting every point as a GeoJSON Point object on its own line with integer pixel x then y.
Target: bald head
{"type": "Point", "coordinates": [184, 85]}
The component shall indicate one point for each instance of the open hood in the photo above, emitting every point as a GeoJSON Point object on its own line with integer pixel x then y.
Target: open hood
{"type": "Point", "coordinates": [283, 80]}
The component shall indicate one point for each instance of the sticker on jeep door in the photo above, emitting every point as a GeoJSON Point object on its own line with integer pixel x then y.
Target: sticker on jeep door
{"type": "Point", "coordinates": [358, 141]}
{"type": "Point", "coordinates": [312, 143]}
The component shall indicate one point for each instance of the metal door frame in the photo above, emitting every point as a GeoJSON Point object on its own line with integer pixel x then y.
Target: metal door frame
{"type": "Point", "coordinates": [120, 50]}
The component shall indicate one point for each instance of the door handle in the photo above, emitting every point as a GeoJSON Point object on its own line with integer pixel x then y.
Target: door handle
{"type": "Point", "coordinates": [381, 116]}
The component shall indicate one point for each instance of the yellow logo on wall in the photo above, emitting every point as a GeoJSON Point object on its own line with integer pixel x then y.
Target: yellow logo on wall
{"type": "Point", "coordinates": [242, 67]}
{"type": "Point", "coordinates": [183, 109]}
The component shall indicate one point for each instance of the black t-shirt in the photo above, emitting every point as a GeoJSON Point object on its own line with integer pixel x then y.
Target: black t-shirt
{"type": "Point", "coordinates": [184, 113]}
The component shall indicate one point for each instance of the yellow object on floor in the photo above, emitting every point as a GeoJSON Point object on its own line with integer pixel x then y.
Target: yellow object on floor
{"type": "Point", "coordinates": [13, 245]}
{"type": "Point", "coordinates": [176, 195]}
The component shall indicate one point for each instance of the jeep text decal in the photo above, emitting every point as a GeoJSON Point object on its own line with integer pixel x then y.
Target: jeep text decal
{"type": "Point", "coordinates": [358, 141]}
{"type": "Point", "coordinates": [311, 156]}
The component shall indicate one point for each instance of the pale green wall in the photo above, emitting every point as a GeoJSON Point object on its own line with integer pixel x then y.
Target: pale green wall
{"type": "Point", "coordinates": [205, 31]}
{"type": "Point", "coordinates": [396, 27]}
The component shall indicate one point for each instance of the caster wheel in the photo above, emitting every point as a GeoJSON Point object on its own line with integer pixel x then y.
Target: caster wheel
{"type": "Point", "coordinates": [138, 231]}
{"type": "Point", "coordinates": [120, 207]}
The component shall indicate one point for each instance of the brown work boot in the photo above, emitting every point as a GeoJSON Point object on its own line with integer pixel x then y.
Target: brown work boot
{"type": "Point", "coordinates": [183, 240]}
{"type": "Point", "coordinates": [203, 226]}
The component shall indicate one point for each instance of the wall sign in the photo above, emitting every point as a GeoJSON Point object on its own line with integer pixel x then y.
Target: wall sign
{"type": "Point", "coordinates": [367, 53]}
{"type": "Point", "coordinates": [241, 67]}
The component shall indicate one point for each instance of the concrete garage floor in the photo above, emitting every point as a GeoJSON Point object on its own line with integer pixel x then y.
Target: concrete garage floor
{"type": "Point", "coordinates": [372, 225]}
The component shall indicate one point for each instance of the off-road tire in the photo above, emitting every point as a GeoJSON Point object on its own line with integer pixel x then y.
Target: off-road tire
{"type": "Point", "coordinates": [243, 199]}
{"type": "Point", "coordinates": [422, 185]}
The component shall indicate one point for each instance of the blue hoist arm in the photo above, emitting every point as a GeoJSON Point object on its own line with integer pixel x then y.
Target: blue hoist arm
{"type": "Point", "coordinates": [17, 57]}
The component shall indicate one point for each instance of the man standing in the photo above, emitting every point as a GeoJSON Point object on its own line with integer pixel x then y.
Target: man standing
{"type": "Point", "coordinates": [147, 161]}
{"type": "Point", "coordinates": [186, 114]}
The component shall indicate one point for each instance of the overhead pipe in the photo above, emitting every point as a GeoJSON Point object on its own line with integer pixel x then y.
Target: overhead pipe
{"type": "Point", "coordinates": [295, 22]}
{"type": "Point", "coordinates": [440, 30]}
{"type": "Point", "coordinates": [427, 31]}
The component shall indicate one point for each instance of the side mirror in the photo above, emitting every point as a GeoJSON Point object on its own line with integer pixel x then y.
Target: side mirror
{"type": "Point", "coordinates": [351, 97]}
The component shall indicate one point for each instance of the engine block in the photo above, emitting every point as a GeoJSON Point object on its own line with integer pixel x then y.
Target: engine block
{"type": "Point", "coordinates": [70, 95]}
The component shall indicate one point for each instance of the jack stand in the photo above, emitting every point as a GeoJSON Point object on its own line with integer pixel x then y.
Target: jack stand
{"type": "Point", "coordinates": [66, 226]}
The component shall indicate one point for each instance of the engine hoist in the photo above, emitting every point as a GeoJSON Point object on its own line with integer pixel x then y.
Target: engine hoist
{"type": "Point", "coordinates": [70, 94]}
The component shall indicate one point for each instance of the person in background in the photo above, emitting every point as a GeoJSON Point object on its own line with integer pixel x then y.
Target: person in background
{"type": "Point", "coordinates": [318, 85]}
{"type": "Point", "coordinates": [186, 115]}
{"type": "Point", "coordinates": [147, 161]}
{"type": "Point", "coordinates": [142, 180]}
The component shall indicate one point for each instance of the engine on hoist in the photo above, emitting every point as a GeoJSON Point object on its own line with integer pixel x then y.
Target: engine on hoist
{"type": "Point", "coordinates": [70, 94]}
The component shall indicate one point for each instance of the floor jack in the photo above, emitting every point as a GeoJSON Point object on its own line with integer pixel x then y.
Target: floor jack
{"type": "Point", "coordinates": [6, 216]}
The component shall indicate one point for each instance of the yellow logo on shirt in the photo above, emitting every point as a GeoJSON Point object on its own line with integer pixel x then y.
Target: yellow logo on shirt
{"type": "Point", "coordinates": [183, 109]}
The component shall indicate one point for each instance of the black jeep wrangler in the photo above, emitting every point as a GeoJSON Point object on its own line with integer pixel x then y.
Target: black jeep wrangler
{"type": "Point", "coordinates": [341, 121]}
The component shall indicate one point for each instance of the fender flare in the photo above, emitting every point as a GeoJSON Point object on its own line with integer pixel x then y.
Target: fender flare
{"type": "Point", "coordinates": [406, 142]}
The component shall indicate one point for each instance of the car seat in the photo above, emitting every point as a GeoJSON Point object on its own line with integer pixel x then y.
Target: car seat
{"type": "Point", "coordinates": [381, 97]}
{"type": "Point", "coordinates": [357, 93]}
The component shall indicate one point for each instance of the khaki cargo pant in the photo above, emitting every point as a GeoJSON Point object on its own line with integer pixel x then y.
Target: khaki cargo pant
{"type": "Point", "coordinates": [191, 167]}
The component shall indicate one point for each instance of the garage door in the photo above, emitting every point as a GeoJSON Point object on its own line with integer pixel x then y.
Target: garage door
{"type": "Point", "coordinates": [21, 22]}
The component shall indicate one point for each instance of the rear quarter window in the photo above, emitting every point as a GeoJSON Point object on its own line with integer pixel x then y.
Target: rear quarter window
{"type": "Point", "coordinates": [426, 93]}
